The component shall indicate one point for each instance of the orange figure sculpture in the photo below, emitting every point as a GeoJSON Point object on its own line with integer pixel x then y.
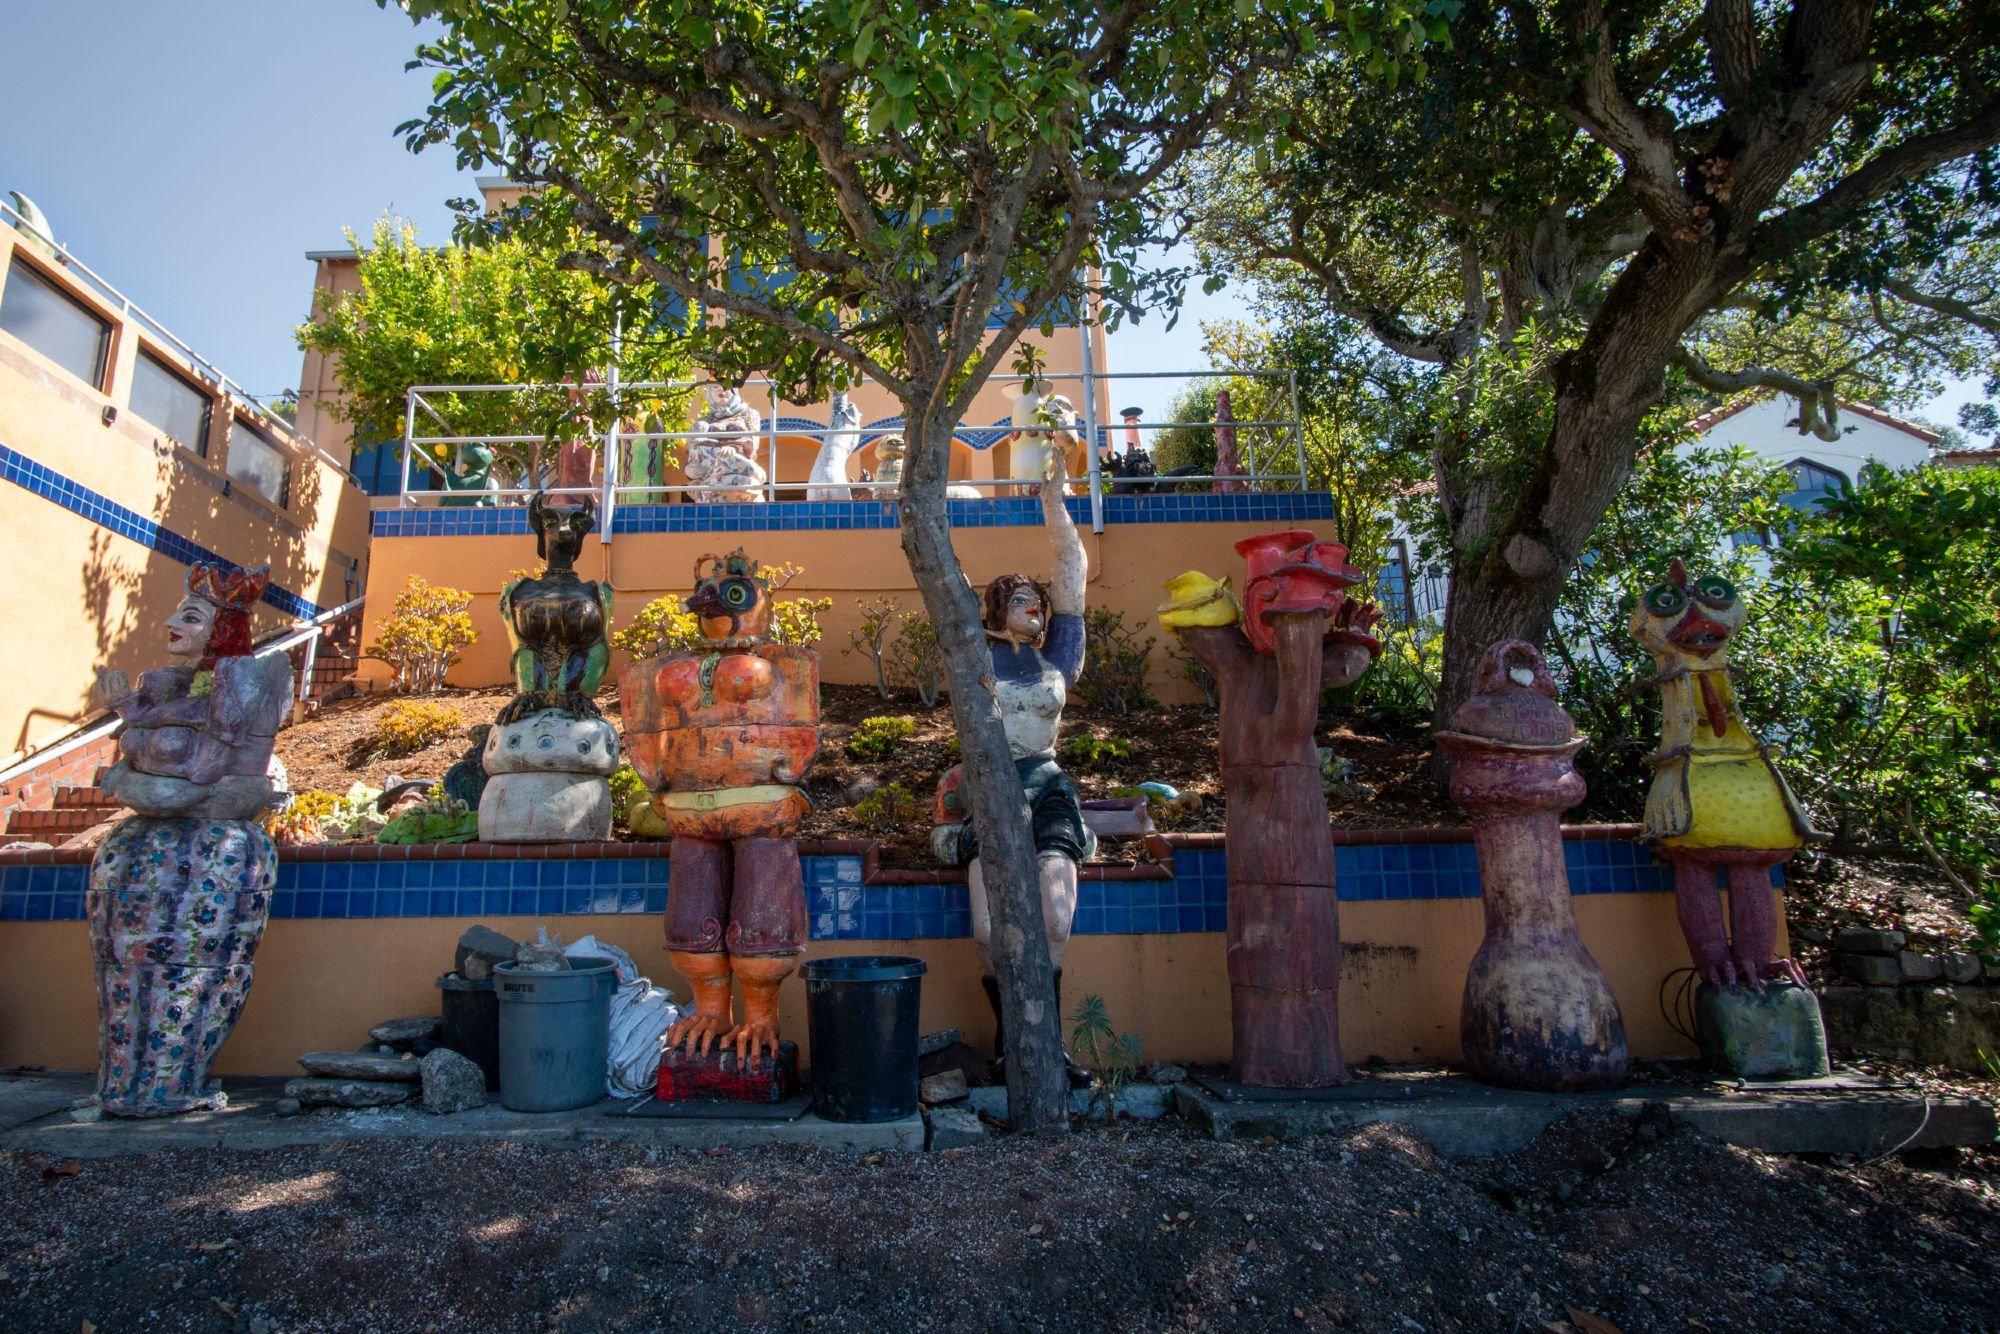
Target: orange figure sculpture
{"type": "Point", "coordinates": [723, 735]}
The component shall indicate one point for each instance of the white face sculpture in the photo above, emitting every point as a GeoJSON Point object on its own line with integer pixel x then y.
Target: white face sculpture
{"type": "Point", "coordinates": [722, 400]}
{"type": "Point", "coordinates": [189, 628]}
{"type": "Point", "coordinates": [1026, 616]}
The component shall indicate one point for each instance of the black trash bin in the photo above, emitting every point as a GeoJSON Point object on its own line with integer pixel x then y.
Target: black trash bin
{"type": "Point", "coordinates": [472, 1023]}
{"type": "Point", "coordinates": [861, 1011]}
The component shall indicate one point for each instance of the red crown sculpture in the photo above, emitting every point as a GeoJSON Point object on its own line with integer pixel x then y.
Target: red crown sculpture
{"type": "Point", "coordinates": [235, 590]}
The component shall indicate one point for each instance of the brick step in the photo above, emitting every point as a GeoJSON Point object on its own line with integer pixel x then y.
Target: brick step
{"type": "Point", "coordinates": [80, 798]}
{"type": "Point", "coordinates": [55, 822]}
{"type": "Point", "coordinates": [9, 840]}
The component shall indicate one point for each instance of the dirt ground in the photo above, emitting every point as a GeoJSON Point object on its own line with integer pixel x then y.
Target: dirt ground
{"type": "Point", "coordinates": [1632, 1222]}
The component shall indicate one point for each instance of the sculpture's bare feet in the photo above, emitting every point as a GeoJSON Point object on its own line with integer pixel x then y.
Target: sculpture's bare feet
{"type": "Point", "coordinates": [752, 1039]}
{"type": "Point", "coordinates": [698, 1032]}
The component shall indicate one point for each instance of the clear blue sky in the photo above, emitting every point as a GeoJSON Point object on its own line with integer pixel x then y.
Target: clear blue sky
{"type": "Point", "coordinates": [193, 152]}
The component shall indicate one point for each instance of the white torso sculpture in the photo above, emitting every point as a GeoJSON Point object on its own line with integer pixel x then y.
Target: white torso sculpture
{"type": "Point", "coordinates": [843, 437]}
{"type": "Point", "coordinates": [721, 464]}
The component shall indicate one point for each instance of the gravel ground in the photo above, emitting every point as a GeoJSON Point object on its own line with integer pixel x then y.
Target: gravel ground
{"type": "Point", "coordinates": [1635, 1223]}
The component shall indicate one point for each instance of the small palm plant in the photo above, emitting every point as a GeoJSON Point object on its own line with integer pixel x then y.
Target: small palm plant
{"type": "Point", "coordinates": [1114, 1056]}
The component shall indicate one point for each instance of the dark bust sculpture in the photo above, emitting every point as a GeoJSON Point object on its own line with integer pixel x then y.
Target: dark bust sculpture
{"type": "Point", "coordinates": [556, 621]}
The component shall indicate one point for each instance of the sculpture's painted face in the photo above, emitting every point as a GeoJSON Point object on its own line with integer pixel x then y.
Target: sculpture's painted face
{"type": "Point", "coordinates": [1027, 615]}
{"type": "Point", "coordinates": [722, 400]}
{"type": "Point", "coordinates": [1686, 624]}
{"type": "Point", "coordinates": [731, 606]}
{"type": "Point", "coordinates": [189, 628]}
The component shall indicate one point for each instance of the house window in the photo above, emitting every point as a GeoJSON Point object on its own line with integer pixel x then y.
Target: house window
{"type": "Point", "coordinates": [175, 405]}
{"type": "Point", "coordinates": [1392, 584]}
{"type": "Point", "coordinates": [378, 469]}
{"type": "Point", "coordinates": [260, 464]}
{"type": "Point", "coordinates": [55, 324]}
{"type": "Point", "coordinates": [1812, 484]}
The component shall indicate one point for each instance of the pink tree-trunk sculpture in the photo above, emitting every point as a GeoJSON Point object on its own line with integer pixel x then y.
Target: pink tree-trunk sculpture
{"type": "Point", "coordinates": [1284, 918]}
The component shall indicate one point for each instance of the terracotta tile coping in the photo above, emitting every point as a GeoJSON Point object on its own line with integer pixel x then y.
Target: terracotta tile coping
{"type": "Point", "coordinates": [865, 848]}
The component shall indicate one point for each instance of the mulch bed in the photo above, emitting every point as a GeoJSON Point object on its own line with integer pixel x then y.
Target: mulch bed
{"type": "Point", "coordinates": [1634, 1222]}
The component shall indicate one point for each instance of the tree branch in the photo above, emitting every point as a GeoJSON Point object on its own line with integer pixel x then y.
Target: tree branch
{"type": "Point", "coordinates": [1818, 408]}
{"type": "Point", "coordinates": [1642, 140]}
{"type": "Point", "coordinates": [1943, 305]}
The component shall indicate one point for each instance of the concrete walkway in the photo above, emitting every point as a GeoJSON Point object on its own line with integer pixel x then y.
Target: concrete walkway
{"type": "Point", "coordinates": [34, 1118]}
{"type": "Point", "coordinates": [1459, 1116]}
{"type": "Point", "coordinates": [1464, 1118]}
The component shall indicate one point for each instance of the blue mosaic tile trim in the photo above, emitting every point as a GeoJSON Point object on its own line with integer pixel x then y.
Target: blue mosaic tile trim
{"type": "Point", "coordinates": [830, 515]}
{"type": "Point", "coordinates": [101, 510]}
{"type": "Point", "coordinates": [838, 905]}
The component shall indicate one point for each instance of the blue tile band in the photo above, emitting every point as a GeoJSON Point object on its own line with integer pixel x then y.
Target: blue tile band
{"type": "Point", "coordinates": [828, 515]}
{"type": "Point", "coordinates": [101, 510]}
{"type": "Point", "coordinates": [839, 906]}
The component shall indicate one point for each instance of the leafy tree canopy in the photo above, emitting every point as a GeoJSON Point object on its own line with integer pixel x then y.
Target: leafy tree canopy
{"type": "Point", "coordinates": [1586, 211]}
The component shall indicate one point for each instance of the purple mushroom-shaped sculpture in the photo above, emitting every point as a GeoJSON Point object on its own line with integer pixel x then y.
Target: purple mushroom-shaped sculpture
{"type": "Point", "coordinates": [1537, 1012]}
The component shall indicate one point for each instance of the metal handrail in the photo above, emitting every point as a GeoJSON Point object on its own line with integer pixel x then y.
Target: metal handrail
{"type": "Point", "coordinates": [613, 490]}
{"type": "Point", "coordinates": [129, 310]}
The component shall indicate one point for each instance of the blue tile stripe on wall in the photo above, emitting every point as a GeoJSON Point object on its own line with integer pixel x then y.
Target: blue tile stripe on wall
{"type": "Point", "coordinates": [830, 515]}
{"type": "Point", "coordinates": [101, 510]}
{"type": "Point", "coordinates": [839, 906]}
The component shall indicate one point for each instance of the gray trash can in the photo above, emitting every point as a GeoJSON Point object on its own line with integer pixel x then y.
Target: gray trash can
{"type": "Point", "coordinates": [555, 1034]}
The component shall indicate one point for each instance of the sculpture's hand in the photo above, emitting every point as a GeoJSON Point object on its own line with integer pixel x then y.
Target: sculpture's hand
{"type": "Point", "coordinates": [113, 689]}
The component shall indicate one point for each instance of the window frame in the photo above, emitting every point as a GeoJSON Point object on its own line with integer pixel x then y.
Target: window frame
{"type": "Point", "coordinates": [108, 339]}
{"type": "Point", "coordinates": [145, 352]}
{"type": "Point", "coordinates": [282, 501]}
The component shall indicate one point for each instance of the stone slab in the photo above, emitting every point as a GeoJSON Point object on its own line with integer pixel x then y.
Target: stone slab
{"type": "Point", "coordinates": [1141, 1102]}
{"type": "Point", "coordinates": [30, 1097]}
{"type": "Point", "coordinates": [250, 1123]}
{"type": "Point", "coordinates": [955, 1128]}
{"type": "Point", "coordinates": [361, 1065]}
{"type": "Point", "coordinates": [1861, 940]}
{"type": "Point", "coordinates": [1463, 1118]}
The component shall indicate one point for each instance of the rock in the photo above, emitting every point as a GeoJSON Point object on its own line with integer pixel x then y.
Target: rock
{"type": "Point", "coordinates": [1919, 967]}
{"type": "Point", "coordinates": [936, 1042]}
{"type": "Point", "coordinates": [479, 949]}
{"type": "Point", "coordinates": [1961, 967]}
{"type": "Point", "coordinates": [1861, 940]}
{"type": "Point", "coordinates": [348, 1092]}
{"type": "Point", "coordinates": [354, 1065]}
{"type": "Point", "coordinates": [1874, 970]}
{"type": "Point", "coordinates": [398, 1031]}
{"type": "Point", "coordinates": [452, 1083]}
{"type": "Point", "coordinates": [960, 1057]}
{"type": "Point", "coordinates": [1811, 935]}
{"type": "Point", "coordinates": [287, 1107]}
{"type": "Point", "coordinates": [1772, 1033]}
{"type": "Point", "coordinates": [1916, 1025]}
{"type": "Point", "coordinates": [1165, 1072]}
{"type": "Point", "coordinates": [947, 1087]}
{"type": "Point", "coordinates": [86, 1115]}
{"type": "Point", "coordinates": [954, 1128]}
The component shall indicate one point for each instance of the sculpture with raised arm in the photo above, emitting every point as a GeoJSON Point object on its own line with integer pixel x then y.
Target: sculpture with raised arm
{"type": "Point", "coordinates": [843, 436]}
{"type": "Point", "coordinates": [179, 894]}
{"type": "Point", "coordinates": [1297, 634]}
{"type": "Point", "coordinates": [723, 735]}
{"type": "Point", "coordinates": [1035, 632]}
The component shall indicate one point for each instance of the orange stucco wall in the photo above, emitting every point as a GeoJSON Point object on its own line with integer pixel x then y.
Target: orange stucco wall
{"type": "Point", "coordinates": [1128, 563]}
{"type": "Point", "coordinates": [87, 597]}
{"type": "Point", "coordinates": [320, 984]}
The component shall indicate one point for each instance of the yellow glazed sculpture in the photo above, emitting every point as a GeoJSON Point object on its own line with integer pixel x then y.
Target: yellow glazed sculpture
{"type": "Point", "coordinates": [1196, 599]}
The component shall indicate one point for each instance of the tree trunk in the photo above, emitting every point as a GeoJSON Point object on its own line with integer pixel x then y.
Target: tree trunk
{"type": "Point", "coordinates": [1603, 389]}
{"type": "Point", "coordinates": [1037, 1085]}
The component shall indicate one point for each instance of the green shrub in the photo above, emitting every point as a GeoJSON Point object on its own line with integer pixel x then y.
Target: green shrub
{"type": "Point", "coordinates": [878, 739]}
{"type": "Point", "coordinates": [422, 635]}
{"type": "Point", "coordinates": [440, 819]}
{"type": "Point", "coordinates": [889, 810]}
{"type": "Point", "coordinates": [870, 638]}
{"type": "Point", "coordinates": [917, 659]}
{"type": "Point", "coordinates": [1114, 663]}
{"type": "Point", "coordinates": [1114, 1056]}
{"type": "Point", "coordinates": [1085, 749]}
{"type": "Point", "coordinates": [409, 725]}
